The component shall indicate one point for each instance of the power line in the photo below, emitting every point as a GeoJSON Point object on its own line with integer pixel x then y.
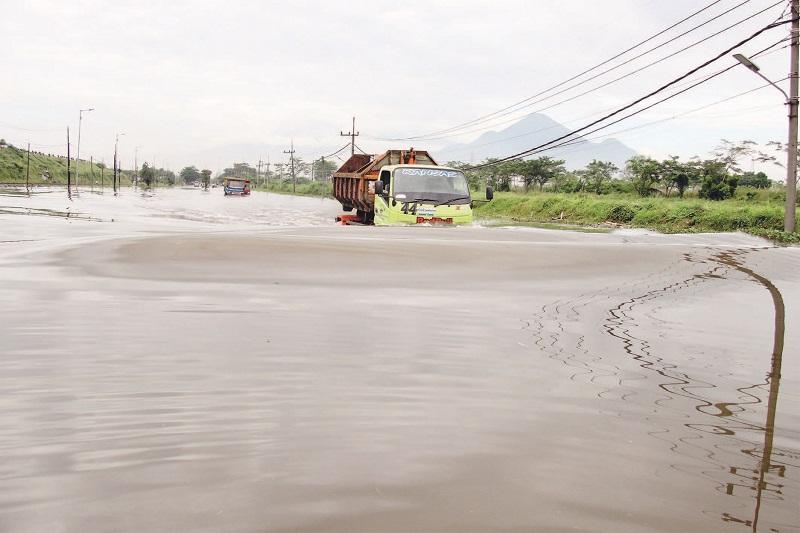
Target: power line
{"type": "Point", "coordinates": [605, 62]}
{"type": "Point", "coordinates": [583, 140]}
{"type": "Point", "coordinates": [337, 151]}
{"type": "Point", "coordinates": [645, 97]}
{"type": "Point", "coordinates": [605, 84]}
{"type": "Point", "coordinates": [763, 53]}
{"type": "Point", "coordinates": [582, 136]}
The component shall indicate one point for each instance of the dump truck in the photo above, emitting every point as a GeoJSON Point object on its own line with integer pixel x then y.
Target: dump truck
{"type": "Point", "coordinates": [402, 187]}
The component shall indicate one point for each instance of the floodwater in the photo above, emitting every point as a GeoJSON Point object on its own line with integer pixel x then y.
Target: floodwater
{"type": "Point", "coordinates": [190, 362]}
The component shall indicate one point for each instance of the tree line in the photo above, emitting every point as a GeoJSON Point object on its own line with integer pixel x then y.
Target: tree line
{"type": "Point", "coordinates": [715, 178]}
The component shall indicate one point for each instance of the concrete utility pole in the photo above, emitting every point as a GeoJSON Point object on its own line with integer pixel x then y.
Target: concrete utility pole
{"type": "Point", "coordinates": [266, 174]}
{"type": "Point", "coordinates": [69, 177]}
{"type": "Point", "coordinates": [116, 162]}
{"type": "Point", "coordinates": [28, 172]}
{"type": "Point", "coordinates": [78, 157]}
{"type": "Point", "coordinates": [790, 223]}
{"type": "Point", "coordinates": [258, 170]}
{"type": "Point", "coordinates": [352, 134]}
{"type": "Point", "coordinates": [291, 156]}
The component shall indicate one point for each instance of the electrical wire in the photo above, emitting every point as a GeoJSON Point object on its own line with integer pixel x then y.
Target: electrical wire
{"type": "Point", "coordinates": [678, 115]}
{"type": "Point", "coordinates": [576, 76]}
{"type": "Point", "coordinates": [647, 96]}
{"type": "Point", "coordinates": [603, 85]}
{"type": "Point", "coordinates": [686, 82]}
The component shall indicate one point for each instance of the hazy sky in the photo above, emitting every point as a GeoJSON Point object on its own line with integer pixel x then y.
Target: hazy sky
{"type": "Point", "coordinates": [205, 82]}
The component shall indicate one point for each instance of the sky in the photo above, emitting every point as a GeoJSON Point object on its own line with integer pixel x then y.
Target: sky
{"type": "Point", "coordinates": [208, 82]}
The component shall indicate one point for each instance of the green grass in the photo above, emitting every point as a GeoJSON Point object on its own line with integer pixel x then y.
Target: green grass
{"type": "Point", "coordinates": [14, 161]}
{"type": "Point", "coordinates": [308, 188]}
{"type": "Point", "coordinates": [670, 215]}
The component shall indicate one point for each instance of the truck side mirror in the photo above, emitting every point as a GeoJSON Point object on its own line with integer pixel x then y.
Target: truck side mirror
{"type": "Point", "coordinates": [489, 193]}
{"type": "Point", "coordinates": [378, 188]}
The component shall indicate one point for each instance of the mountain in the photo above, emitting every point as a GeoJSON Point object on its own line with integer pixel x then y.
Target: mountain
{"type": "Point", "coordinates": [531, 131]}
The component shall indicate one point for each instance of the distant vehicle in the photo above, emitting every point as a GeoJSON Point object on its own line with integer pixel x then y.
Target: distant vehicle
{"type": "Point", "coordinates": [235, 186]}
{"type": "Point", "coordinates": [401, 187]}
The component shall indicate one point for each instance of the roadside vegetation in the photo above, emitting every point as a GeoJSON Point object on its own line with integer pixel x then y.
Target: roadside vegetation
{"type": "Point", "coordinates": [50, 169]}
{"type": "Point", "coordinates": [304, 188]}
{"type": "Point", "coordinates": [669, 196]}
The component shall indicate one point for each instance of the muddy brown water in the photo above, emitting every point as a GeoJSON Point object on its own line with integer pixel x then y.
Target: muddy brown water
{"type": "Point", "coordinates": [188, 362]}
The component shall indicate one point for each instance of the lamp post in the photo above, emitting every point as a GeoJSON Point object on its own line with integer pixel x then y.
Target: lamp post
{"type": "Point", "coordinates": [78, 156]}
{"type": "Point", "coordinates": [116, 161]}
{"type": "Point", "coordinates": [789, 221]}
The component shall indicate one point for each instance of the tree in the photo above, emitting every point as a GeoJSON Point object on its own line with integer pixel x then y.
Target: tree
{"type": "Point", "coordinates": [205, 177]}
{"type": "Point", "coordinates": [322, 169]}
{"type": "Point", "coordinates": [645, 174]}
{"type": "Point", "coordinates": [190, 175]}
{"type": "Point", "coordinates": [598, 172]}
{"type": "Point", "coordinates": [147, 175]}
{"type": "Point", "coordinates": [756, 180]}
{"type": "Point", "coordinates": [490, 174]}
{"type": "Point", "coordinates": [717, 184]}
{"type": "Point", "coordinates": [169, 176]}
{"type": "Point", "coordinates": [539, 170]}
{"type": "Point", "coordinates": [728, 153]}
{"type": "Point", "coordinates": [677, 175]}
{"type": "Point", "coordinates": [239, 170]}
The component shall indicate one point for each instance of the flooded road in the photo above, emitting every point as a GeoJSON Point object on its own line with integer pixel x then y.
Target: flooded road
{"type": "Point", "coordinates": [190, 362]}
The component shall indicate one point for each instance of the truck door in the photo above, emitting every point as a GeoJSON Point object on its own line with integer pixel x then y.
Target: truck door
{"type": "Point", "coordinates": [382, 202]}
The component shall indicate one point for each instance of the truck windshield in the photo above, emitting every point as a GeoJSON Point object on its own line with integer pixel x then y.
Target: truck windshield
{"type": "Point", "coordinates": [430, 183]}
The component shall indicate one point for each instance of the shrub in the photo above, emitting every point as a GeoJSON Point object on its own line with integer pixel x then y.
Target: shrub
{"type": "Point", "coordinates": [622, 213]}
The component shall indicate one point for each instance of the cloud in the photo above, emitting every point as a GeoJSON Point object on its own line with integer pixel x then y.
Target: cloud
{"type": "Point", "coordinates": [184, 78]}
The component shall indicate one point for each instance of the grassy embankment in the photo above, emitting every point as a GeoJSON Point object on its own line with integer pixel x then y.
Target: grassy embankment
{"type": "Point", "coordinates": [760, 214]}
{"type": "Point", "coordinates": [49, 170]}
{"type": "Point", "coordinates": [315, 188]}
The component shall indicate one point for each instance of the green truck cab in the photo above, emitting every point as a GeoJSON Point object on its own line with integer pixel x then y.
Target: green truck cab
{"type": "Point", "coordinates": [403, 188]}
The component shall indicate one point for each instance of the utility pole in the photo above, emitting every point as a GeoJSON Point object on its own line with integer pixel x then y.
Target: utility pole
{"type": "Point", "coordinates": [69, 177]}
{"type": "Point", "coordinates": [116, 163]}
{"type": "Point", "coordinates": [91, 169]}
{"type": "Point", "coordinates": [291, 156]}
{"type": "Point", "coordinates": [28, 172]}
{"type": "Point", "coordinates": [790, 222]}
{"type": "Point", "coordinates": [258, 171]}
{"type": "Point", "coordinates": [78, 157]}
{"type": "Point", "coordinates": [352, 134]}
{"type": "Point", "coordinates": [114, 180]}
{"type": "Point", "coordinates": [102, 175]}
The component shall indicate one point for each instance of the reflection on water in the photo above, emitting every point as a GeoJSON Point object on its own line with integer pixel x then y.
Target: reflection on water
{"type": "Point", "coordinates": [737, 464]}
{"type": "Point", "coordinates": [766, 466]}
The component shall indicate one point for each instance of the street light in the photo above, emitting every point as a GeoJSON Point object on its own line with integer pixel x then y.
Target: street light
{"type": "Point", "coordinates": [789, 222]}
{"type": "Point", "coordinates": [116, 161]}
{"type": "Point", "coordinates": [78, 158]}
{"type": "Point", "coordinates": [757, 71]}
